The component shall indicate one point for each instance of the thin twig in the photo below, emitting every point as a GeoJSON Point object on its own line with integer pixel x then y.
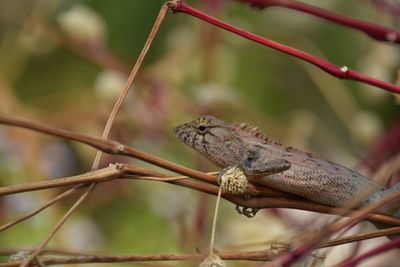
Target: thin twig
{"type": "Point", "coordinates": [325, 244]}
{"type": "Point", "coordinates": [106, 132]}
{"type": "Point", "coordinates": [38, 250]}
{"type": "Point", "coordinates": [263, 255]}
{"type": "Point", "coordinates": [46, 251]}
{"type": "Point", "coordinates": [107, 129]}
{"type": "Point", "coordinates": [117, 148]}
{"type": "Point", "coordinates": [395, 243]}
{"type": "Point", "coordinates": [43, 207]}
{"type": "Point", "coordinates": [361, 213]}
{"type": "Point", "coordinates": [262, 202]}
{"type": "Point", "coordinates": [360, 237]}
{"type": "Point", "coordinates": [114, 147]}
{"type": "Point", "coordinates": [105, 174]}
{"type": "Point", "coordinates": [386, 146]}
{"type": "Point", "coordinates": [340, 72]}
{"type": "Point", "coordinates": [293, 256]}
{"type": "Point", "coordinates": [131, 78]}
{"type": "Point", "coordinates": [380, 177]}
{"type": "Point", "coordinates": [224, 255]}
{"type": "Point", "coordinates": [214, 223]}
{"type": "Point", "coordinates": [377, 32]}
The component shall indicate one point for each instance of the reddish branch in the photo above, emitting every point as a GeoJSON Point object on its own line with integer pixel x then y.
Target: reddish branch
{"type": "Point", "coordinates": [62, 256]}
{"type": "Point", "coordinates": [386, 147]}
{"type": "Point", "coordinates": [339, 72]}
{"type": "Point", "coordinates": [382, 248]}
{"type": "Point", "coordinates": [292, 256]}
{"type": "Point", "coordinates": [375, 31]}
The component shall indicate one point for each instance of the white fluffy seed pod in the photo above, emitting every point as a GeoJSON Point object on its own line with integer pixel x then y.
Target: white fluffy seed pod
{"type": "Point", "coordinates": [233, 180]}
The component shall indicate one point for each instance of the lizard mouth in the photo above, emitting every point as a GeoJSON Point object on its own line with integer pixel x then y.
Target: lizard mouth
{"type": "Point", "coordinates": [182, 132]}
{"type": "Point", "coordinates": [178, 130]}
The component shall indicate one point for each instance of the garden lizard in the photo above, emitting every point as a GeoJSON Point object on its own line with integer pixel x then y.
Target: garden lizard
{"type": "Point", "coordinates": [242, 146]}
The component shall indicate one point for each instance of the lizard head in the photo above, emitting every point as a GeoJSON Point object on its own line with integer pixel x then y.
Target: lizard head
{"type": "Point", "coordinates": [214, 138]}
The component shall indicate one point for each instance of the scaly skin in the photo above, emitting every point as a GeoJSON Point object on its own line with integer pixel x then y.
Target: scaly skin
{"type": "Point", "coordinates": [283, 168]}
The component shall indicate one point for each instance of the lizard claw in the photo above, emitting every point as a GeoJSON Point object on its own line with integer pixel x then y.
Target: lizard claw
{"type": "Point", "coordinates": [238, 210]}
{"type": "Point", "coordinates": [248, 212]}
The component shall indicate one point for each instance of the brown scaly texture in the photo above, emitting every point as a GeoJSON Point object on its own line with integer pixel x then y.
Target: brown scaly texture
{"type": "Point", "coordinates": [284, 168]}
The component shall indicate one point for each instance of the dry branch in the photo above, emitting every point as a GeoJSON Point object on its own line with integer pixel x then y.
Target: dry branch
{"type": "Point", "coordinates": [360, 237]}
{"type": "Point", "coordinates": [295, 255]}
{"type": "Point", "coordinates": [395, 243]}
{"type": "Point", "coordinates": [118, 171]}
{"type": "Point", "coordinates": [42, 207]}
{"type": "Point", "coordinates": [160, 18]}
{"type": "Point", "coordinates": [266, 197]}
{"type": "Point", "coordinates": [263, 255]}
{"type": "Point", "coordinates": [256, 255]}
{"type": "Point", "coordinates": [60, 223]}
{"type": "Point", "coordinates": [94, 176]}
{"type": "Point", "coordinates": [113, 147]}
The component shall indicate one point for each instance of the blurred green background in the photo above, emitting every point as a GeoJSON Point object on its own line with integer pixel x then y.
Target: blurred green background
{"type": "Point", "coordinates": [64, 63]}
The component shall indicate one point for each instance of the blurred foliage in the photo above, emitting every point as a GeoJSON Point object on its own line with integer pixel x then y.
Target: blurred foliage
{"type": "Point", "coordinates": [49, 71]}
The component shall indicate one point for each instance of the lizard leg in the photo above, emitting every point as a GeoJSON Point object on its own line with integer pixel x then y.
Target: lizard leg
{"type": "Point", "coordinates": [232, 179]}
{"type": "Point", "coordinates": [248, 212]}
{"type": "Point", "coordinates": [252, 166]}
{"type": "Point", "coordinates": [255, 166]}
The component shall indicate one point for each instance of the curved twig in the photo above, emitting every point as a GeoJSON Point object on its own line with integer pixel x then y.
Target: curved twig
{"type": "Point", "coordinates": [340, 72]}
{"type": "Point", "coordinates": [377, 32]}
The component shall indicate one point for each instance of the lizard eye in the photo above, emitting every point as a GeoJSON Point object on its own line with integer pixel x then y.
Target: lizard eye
{"type": "Point", "coordinates": [202, 128]}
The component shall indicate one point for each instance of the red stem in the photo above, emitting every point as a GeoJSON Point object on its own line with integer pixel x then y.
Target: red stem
{"type": "Point", "coordinates": [382, 248]}
{"type": "Point", "coordinates": [375, 31]}
{"type": "Point", "coordinates": [386, 147]}
{"type": "Point", "coordinates": [340, 72]}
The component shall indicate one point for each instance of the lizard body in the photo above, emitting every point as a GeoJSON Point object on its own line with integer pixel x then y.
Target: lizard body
{"type": "Point", "coordinates": [283, 168]}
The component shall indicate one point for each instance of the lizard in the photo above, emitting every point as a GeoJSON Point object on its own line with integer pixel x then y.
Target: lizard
{"type": "Point", "coordinates": [242, 147]}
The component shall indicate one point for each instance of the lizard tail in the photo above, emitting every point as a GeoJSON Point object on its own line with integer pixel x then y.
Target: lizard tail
{"type": "Point", "coordinates": [394, 188]}
{"type": "Point", "coordinates": [394, 209]}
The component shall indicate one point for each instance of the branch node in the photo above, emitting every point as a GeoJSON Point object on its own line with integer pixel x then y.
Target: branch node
{"type": "Point", "coordinates": [120, 148]}
{"type": "Point", "coordinates": [173, 4]}
{"type": "Point", "coordinates": [391, 37]}
{"type": "Point", "coordinates": [118, 166]}
{"type": "Point", "coordinates": [344, 69]}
